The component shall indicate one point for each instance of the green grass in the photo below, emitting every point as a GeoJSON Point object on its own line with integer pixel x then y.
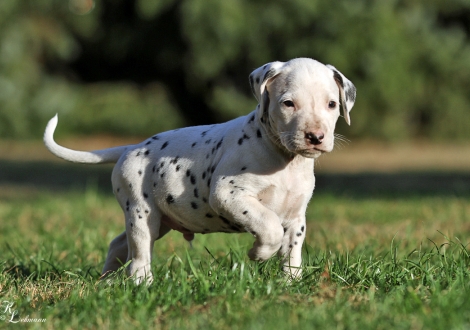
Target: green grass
{"type": "Point", "coordinates": [369, 263]}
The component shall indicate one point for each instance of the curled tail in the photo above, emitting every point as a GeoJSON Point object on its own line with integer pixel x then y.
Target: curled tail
{"type": "Point", "coordinates": [110, 155]}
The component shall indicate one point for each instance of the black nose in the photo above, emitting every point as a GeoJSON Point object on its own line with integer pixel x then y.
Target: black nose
{"type": "Point", "coordinates": [314, 138]}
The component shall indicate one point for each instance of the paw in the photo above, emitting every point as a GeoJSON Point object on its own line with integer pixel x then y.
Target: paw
{"type": "Point", "coordinates": [262, 252]}
{"type": "Point", "coordinates": [140, 275]}
{"type": "Point", "coordinates": [292, 272]}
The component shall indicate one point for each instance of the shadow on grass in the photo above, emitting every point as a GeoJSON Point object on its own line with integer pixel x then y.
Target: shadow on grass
{"type": "Point", "coordinates": [57, 176]}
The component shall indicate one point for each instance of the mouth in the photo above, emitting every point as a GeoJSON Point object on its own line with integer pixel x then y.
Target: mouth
{"type": "Point", "coordinates": [311, 152]}
{"type": "Point", "coordinates": [320, 150]}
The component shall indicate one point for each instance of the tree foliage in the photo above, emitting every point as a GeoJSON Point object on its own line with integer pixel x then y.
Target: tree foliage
{"type": "Point", "coordinates": [141, 66]}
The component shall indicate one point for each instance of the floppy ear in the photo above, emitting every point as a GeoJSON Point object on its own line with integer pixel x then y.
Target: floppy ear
{"type": "Point", "coordinates": [258, 80]}
{"type": "Point", "coordinates": [347, 92]}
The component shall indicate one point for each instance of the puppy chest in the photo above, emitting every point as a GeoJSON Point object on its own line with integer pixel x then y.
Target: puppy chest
{"type": "Point", "coordinates": [285, 203]}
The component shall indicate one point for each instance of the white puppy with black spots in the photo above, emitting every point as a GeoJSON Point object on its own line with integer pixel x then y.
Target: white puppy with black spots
{"type": "Point", "coordinates": [252, 174]}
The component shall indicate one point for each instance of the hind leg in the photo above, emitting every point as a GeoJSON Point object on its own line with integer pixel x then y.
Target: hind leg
{"type": "Point", "coordinates": [143, 228]}
{"type": "Point", "coordinates": [117, 255]}
{"type": "Point", "coordinates": [118, 251]}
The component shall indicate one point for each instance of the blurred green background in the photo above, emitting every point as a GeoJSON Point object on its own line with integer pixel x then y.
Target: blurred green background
{"type": "Point", "coordinates": [136, 67]}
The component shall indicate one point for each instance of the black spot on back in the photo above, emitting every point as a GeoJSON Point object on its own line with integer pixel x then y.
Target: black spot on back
{"type": "Point", "coordinates": [164, 145]}
{"type": "Point", "coordinates": [170, 199]}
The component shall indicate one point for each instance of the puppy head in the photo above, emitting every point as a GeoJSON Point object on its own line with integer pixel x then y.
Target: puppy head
{"type": "Point", "coordinates": [300, 101]}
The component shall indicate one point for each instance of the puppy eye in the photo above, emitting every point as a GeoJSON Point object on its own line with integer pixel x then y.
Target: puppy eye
{"type": "Point", "coordinates": [288, 104]}
{"type": "Point", "coordinates": [332, 104]}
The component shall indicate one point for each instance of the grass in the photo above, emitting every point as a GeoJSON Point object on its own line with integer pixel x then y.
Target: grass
{"type": "Point", "coordinates": [370, 262]}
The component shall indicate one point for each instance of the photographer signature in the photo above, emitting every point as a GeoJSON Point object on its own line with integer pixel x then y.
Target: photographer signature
{"type": "Point", "coordinates": [9, 314]}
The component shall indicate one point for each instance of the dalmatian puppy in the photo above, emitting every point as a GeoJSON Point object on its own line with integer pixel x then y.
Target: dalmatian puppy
{"type": "Point", "coordinates": [252, 174]}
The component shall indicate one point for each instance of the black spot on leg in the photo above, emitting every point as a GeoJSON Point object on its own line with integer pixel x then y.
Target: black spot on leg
{"type": "Point", "coordinates": [203, 175]}
{"type": "Point", "coordinates": [302, 229]}
{"type": "Point", "coordinates": [194, 205]}
{"type": "Point", "coordinates": [285, 229]}
{"type": "Point", "coordinates": [245, 212]}
{"type": "Point", "coordinates": [178, 167]}
{"type": "Point", "coordinates": [153, 168]}
{"type": "Point", "coordinates": [147, 152]}
{"type": "Point", "coordinates": [235, 228]}
{"type": "Point", "coordinates": [132, 225]}
{"type": "Point", "coordinates": [252, 119]}
{"type": "Point", "coordinates": [231, 181]}
{"type": "Point", "coordinates": [209, 182]}
{"type": "Point", "coordinates": [140, 172]}
{"type": "Point", "coordinates": [146, 195]}
{"type": "Point", "coordinates": [193, 179]}
{"type": "Point", "coordinates": [299, 234]}
{"type": "Point", "coordinates": [196, 193]}
{"type": "Point", "coordinates": [170, 199]}
{"type": "Point", "coordinates": [188, 173]}
{"type": "Point", "coordinates": [258, 133]}
{"type": "Point", "coordinates": [204, 199]}
{"type": "Point", "coordinates": [118, 189]}
{"type": "Point", "coordinates": [225, 220]}
{"type": "Point", "coordinates": [257, 80]}
{"type": "Point", "coordinates": [240, 141]}
{"type": "Point", "coordinates": [162, 175]}
{"type": "Point", "coordinates": [164, 145]}
{"type": "Point", "coordinates": [291, 246]}
{"type": "Point", "coordinates": [208, 215]}
{"type": "Point", "coordinates": [295, 243]}
{"type": "Point", "coordinates": [140, 217]}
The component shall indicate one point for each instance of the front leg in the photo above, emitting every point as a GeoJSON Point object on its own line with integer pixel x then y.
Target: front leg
{"type": "Point", "coordinates": [247, 212]}
{"type": "Point", "coordinates": [291, 250]}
